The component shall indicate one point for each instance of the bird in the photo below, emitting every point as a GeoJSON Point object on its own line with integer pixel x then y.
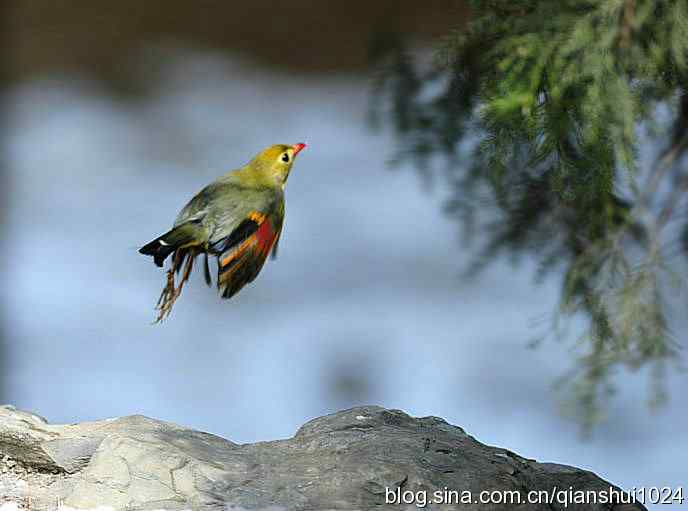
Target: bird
{"type": "Point", "coordinates": [237, 218]}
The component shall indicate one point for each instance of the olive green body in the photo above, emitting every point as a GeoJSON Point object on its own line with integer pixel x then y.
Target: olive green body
{"type": "Point", "coordinates": [217, 210]}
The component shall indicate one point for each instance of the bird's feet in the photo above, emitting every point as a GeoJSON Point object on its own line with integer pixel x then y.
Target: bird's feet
{"type": "Point", "coordinates": [171, 292]}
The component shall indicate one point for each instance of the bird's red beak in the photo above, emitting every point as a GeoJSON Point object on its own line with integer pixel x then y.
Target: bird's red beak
{"type": "Point", "coordinates": [298, 148]}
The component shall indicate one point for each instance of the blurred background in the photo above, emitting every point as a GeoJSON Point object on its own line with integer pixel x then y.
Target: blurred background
{"type": "Point", "coordinates": [118, 112]}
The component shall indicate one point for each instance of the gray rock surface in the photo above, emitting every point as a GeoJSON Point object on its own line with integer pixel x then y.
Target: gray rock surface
{"type": "Point", "coordinates": [347, 460]}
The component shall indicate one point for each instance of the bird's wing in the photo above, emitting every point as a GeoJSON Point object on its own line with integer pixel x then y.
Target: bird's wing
{"type": "Point", "coordinates": [241, 255]}
{"type": "Point", "coordinates": [275, 247]}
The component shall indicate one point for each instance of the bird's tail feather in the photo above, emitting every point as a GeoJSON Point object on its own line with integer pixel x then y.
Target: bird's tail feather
{"type": "Point", "coordinates": [160, 248]}
{"type": "Point", "coordinates": [184, 242]}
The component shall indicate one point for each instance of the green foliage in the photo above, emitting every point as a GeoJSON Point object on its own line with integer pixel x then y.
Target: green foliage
{"type": "Point", "coordinates": [553, 109]}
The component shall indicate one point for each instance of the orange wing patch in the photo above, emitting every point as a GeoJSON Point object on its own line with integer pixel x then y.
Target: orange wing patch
{"type": "Point", "coordinates": [241, 263]}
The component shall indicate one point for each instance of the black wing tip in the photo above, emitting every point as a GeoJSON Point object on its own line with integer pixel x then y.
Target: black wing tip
{"type": "Point", "coordinates": [245, 229]}
{"type": "Point", "coordinates": [206, 272]}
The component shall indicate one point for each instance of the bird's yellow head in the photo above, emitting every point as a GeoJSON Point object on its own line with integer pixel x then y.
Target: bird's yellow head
{"type": "Point", "coordinates": [276, 161]}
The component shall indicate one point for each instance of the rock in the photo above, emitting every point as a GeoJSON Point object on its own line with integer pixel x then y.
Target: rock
{"type": "Point", "coordinates": [355, 459]}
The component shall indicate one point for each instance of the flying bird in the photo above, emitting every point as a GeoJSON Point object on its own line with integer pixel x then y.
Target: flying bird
{"type": "Point", "coordinates": [237, 218]}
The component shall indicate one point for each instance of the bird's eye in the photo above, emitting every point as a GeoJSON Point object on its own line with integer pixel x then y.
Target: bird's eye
{"type": "Point", "coordinates": [285, 158]}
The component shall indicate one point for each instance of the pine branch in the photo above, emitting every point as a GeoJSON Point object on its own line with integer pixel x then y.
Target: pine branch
{"type": "Point", "coordinates": [545, 101]}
